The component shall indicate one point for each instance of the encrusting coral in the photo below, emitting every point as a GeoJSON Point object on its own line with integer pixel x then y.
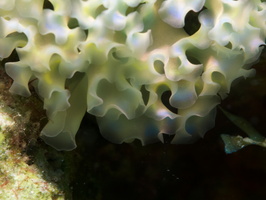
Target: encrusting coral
{"type": "Point", "coordinates": [130, 63]}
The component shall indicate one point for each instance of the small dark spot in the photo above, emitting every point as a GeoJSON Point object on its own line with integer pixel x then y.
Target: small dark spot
{"type": "Point", "coordinates": [191, 58]}
{"type": "Point", "coordinates": [159, 66]}
{"type": "Point", "coordinates": [128, 80]}
{"type": "Point", "coordinates": [229, 45]}
{"type": "Point", "coordinates": [145, 94]}
{"type": "Point", "coordinates": [192, 23]}
{"type": "Point", "coordinates": [73, 23]}
{"type": "Point", "coordinates": [167, 138]}
{"type": "Point", "coordinates": [117, 57]}
{"type": "Point", "coordinates": [12, 58]}
{"type": "Point", "coordinates": [86, 31]}
{"type": "Point", "coordinates": [133, 9]}
{"type": "Point", "coordinates": [99, 10]}
{"type": "Point", "coordinates": [165, 100]}
{"type": "Point", "coordinates": [48, 5]}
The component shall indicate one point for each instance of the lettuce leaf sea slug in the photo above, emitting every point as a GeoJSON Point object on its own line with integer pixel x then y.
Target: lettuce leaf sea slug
{"type": "Point", "coordinates": [131, 63]}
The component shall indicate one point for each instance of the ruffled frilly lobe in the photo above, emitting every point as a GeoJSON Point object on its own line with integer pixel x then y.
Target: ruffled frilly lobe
{"type": "Point", "coordinates": [131, 63]}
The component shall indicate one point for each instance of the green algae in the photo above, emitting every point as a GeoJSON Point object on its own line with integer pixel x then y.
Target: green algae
{"type": "Point", "coordinates": [25, 171]}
